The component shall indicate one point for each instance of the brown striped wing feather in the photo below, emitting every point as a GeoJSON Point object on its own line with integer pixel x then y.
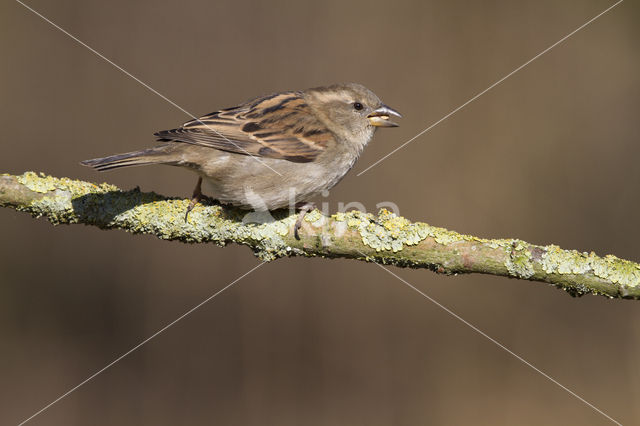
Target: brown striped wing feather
{"type": "Point", "coordinates": [278, 126]}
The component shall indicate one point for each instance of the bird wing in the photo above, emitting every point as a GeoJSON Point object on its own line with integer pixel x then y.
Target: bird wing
{"type": "Point", "coordinates": [280, 126]}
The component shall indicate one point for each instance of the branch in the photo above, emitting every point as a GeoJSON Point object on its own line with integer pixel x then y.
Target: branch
{"type": "Point", "coordinates": [386, 238]}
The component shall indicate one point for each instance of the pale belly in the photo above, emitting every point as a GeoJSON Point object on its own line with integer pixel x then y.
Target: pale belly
{"type": "Point", "coordinates": [269, 184]}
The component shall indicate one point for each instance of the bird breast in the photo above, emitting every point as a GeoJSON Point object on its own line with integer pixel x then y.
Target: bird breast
{"type": "Point", "coordinates": [267, 184]}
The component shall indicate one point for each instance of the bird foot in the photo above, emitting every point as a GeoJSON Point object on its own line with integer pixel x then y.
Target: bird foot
{"type": "Point", "coordinates": [304, 209]}
{"type": "Point", "coordinates": [195, 198]}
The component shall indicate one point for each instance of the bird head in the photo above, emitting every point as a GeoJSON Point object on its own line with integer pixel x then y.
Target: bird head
{"type": "Point", "coordinates": [350, 110]}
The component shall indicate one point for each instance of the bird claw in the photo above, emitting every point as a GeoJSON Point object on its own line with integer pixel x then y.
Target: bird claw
{"type": "Point", "coordinates": [195, 198]}
{"type": "Point", "coordinates": [304, 209]}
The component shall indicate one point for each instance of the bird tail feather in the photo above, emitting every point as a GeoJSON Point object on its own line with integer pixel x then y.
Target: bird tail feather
{"type": "Point", "coordinates": [157, 155]}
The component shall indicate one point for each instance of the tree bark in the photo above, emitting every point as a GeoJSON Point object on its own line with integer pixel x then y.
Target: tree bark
{"type": "Point", "coordinates": [385, 238]}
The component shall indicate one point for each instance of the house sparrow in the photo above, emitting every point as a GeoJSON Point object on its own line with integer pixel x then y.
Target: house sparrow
{"type": "Point", "coordinates": [272, 151]}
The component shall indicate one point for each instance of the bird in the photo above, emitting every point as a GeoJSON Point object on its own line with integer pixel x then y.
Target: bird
{"type": "Point", "coordinates": [270, 152]}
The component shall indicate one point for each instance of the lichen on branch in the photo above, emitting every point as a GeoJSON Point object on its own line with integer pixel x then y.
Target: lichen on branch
{"type": "Point", "coordinates": [384, 238]}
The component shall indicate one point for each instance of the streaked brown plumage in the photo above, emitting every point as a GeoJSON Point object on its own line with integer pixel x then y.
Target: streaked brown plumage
{"type": "Point", "coordinates": [271, 151]}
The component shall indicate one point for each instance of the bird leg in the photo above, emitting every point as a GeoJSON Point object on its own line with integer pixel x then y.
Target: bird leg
{"type": "Point", "coordinates": [304, 209]}
{"type": "Point", "coordinates": [195, 198]}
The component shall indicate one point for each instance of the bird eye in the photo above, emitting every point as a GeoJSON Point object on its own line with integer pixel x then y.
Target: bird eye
{"type": "Point", "coordinates": [358, 106]}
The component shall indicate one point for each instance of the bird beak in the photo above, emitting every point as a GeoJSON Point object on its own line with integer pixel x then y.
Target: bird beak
{"type": "Point", "coordinates": [380, 117]}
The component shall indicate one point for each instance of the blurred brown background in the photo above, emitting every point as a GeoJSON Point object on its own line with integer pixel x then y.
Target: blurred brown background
{"type": "Point", "coordinates": [549, 156]}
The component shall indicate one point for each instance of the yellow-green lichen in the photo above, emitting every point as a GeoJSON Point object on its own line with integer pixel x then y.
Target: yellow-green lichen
{"type": "Point", "coordinates": [557, 260]}
{"type": "Point", "coordinates": [616, 270]}
{"type": "Point", "coordinates": [494, 244]}
{"type": "Point", "coordinates": [446, 237]}
{"type": "Point", "coordinates": [313, 216]}
{"type": "Point", "coordinates": [42, 183]}
{"type": "Point", "coordinates": [609, 268]}
{"type": "Point", "coordinates": [340, 217]}
{"type": "Point", "coordinates": [519, 260]}
{"type": "Point", "coordinates": [386, 231]}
